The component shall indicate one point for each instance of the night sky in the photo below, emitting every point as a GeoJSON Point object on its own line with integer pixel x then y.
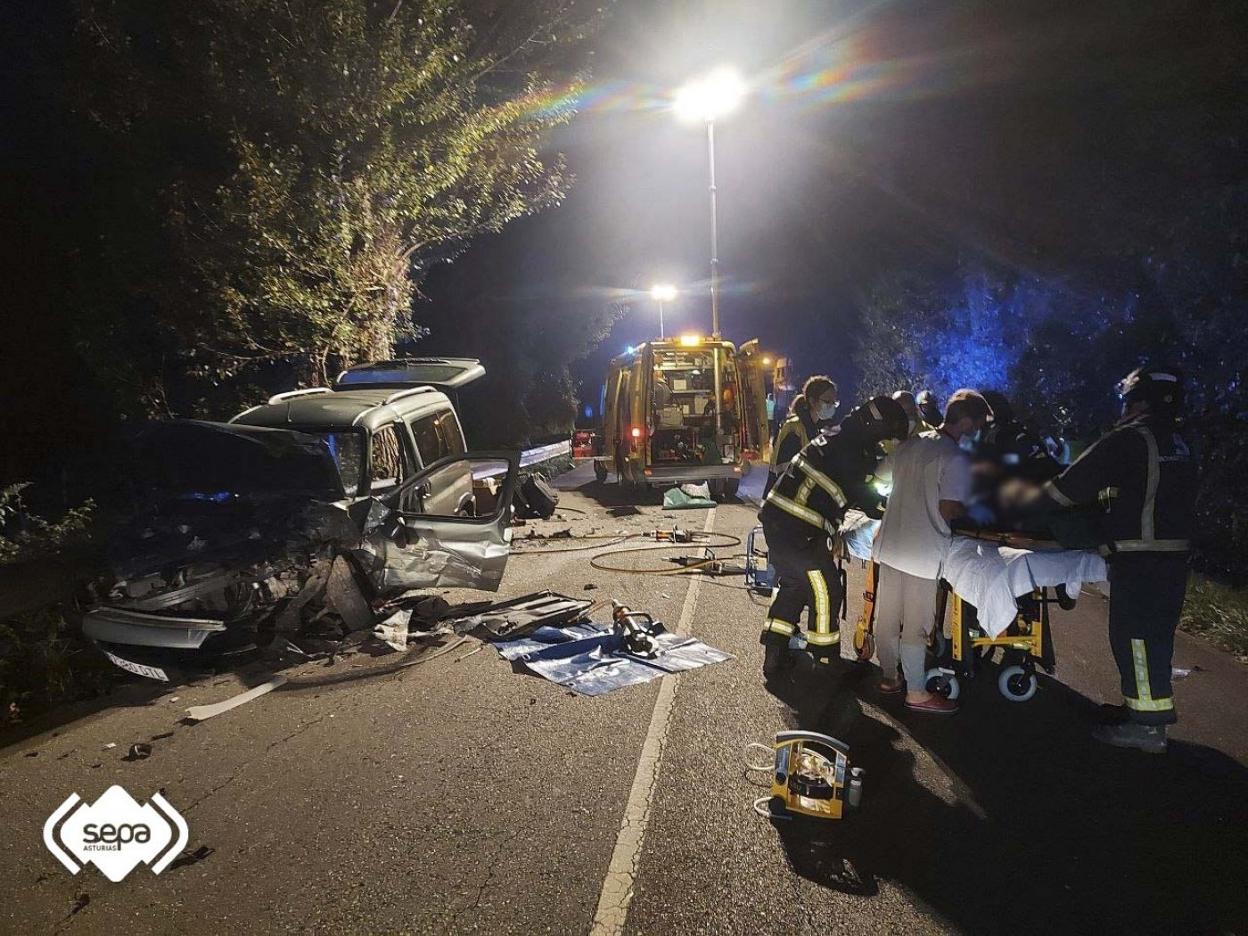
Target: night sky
{"type": "Point", "coordinates": [1057, 139]}
{"type": "Point", "coordinates": [1044, 137]}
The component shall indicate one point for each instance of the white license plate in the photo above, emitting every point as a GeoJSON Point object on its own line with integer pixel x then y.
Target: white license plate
{"type": "Point", "coordinates": [151, 672]}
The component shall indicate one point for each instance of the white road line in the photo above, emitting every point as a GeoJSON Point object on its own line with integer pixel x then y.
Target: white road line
{"type": "Point", "coordinates": [617, 887]}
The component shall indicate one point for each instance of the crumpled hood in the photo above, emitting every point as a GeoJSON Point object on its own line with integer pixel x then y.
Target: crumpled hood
{"type": "Point", "coordinates": [218, 461]}
{"type": "Point", "coordinates": [238, 494]}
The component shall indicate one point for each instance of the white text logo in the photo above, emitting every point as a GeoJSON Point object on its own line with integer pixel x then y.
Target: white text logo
{"type": "Point", "coordinates": [115, 833]}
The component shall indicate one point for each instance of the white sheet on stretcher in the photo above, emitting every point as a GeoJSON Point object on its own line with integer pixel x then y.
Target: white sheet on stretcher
{"type": "Point", "coordinates": [990, 576]}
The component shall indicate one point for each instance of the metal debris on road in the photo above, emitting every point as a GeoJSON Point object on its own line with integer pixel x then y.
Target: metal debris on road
{"type": "Point", "coordinates": [139, 751]}
{"type": "Point", "coordinates": [198, 713]}
{"type": "Point", "coordinates": [393, 630]}
{"type": "Point", "coordinates": [345, 596]}
{"type": "Point", "coordinates": [524, 614]}
{"type": "Point", "coordinates": [433, 656]}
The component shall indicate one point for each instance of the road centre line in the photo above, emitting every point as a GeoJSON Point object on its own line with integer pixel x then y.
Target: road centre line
{"type": "Point", "coordinates": [617, 886]}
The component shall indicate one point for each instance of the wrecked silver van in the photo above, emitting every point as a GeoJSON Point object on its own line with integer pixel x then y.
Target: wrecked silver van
{"type": "Point", "coordinates": [313, 508]}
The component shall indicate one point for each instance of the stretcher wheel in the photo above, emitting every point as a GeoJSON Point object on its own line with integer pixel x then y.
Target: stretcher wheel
{"type": "Point", "coordinates": [941, 683]}
{"type": "Point", "coordinates": [864, 645]}
{"type": "Point", "coordinates": [1017, 684]}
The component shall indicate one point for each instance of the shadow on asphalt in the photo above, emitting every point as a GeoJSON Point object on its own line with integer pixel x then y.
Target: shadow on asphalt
{"type": "Point", "coordinates": [1042, 829]}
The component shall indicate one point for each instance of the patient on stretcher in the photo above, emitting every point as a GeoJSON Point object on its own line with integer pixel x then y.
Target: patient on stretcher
{"type": "Point", "coordinates": [1017, 506]}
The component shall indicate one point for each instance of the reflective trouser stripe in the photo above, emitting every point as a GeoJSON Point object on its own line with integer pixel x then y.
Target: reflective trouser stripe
{"type": "Point", "coordinates": [821, 479]}
{"type": "Point", "coordinates": [1149, 705]}
{"type": "Point", "coordinates": [1144, 701]}
{"type": "Point", "coordinates": [822, 635]}
{"type": "Point", "coordinates": [777, 626]}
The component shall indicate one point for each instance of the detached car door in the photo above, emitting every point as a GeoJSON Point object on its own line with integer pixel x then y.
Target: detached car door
{"type": "Point", "coordinates": [420, 548]}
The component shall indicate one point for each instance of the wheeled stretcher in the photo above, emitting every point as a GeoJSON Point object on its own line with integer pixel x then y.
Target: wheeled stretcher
{"type": "Point", "coordinates": [1025, 644]}
{"type": "Point", "coordinates": [997, 591]}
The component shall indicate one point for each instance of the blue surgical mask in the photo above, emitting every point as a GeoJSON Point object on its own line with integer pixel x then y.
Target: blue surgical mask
{"type": "Point", "coordinates": [825, 411]}
{"type": "Point", "coordinates": [968, 442]}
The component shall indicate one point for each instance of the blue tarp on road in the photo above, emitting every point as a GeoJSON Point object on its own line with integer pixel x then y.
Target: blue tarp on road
{"type": "Point", "coordinates": [590, 658]}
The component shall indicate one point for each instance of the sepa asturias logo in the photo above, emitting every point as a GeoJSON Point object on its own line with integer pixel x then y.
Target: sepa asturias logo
{"type": "Point", "coordinates": [115, 833]}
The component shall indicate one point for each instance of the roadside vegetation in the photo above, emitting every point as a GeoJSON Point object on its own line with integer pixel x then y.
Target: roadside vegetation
{"type": "Point", "coordinates": [44, 659]}
{"type": "Point", "coordinates": [1219, 614]}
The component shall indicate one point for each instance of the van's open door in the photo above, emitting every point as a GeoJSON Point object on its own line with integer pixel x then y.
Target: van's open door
{"type": "Point", "coordinates": [443, 373]}
{"type": "Point", "coordinates": [415, 548]}
{"type": "Point", "coordinates": [754, 403]}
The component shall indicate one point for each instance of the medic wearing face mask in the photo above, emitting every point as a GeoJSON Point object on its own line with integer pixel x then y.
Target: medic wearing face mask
{"type": "Point", "coordinates": [812, 409]}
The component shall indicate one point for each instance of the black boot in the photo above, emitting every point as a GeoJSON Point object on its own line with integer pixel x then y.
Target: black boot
{"type": "Point", "coordinates": [1148, 738]}
{"type": "Point", "coordinates": [776, 656]}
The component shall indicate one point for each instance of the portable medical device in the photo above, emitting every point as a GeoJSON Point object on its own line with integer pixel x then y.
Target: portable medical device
{"type": "Point", "coordinates": [810, 777]}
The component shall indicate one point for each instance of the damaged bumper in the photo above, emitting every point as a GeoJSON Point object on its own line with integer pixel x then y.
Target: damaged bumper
{"type": "Point", "coordinates": [139, 629]}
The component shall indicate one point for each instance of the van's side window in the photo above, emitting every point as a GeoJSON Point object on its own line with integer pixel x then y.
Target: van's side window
{"type": "Point", "coordinates": [437, 435]}
{"type": "Point", "coordinates": [387, 466]}
{"type": "Point", "coordinates": [452, 435]}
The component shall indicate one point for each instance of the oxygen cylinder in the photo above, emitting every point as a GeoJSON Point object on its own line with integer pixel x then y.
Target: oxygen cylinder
{"type": "Point", "coordinates": [853, 792]}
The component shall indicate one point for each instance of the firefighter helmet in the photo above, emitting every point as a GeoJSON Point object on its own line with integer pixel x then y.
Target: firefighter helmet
{"type": "Point", "coordinates": [881, 418]}
{"type": "Point", "coordinates": [1160, 387]}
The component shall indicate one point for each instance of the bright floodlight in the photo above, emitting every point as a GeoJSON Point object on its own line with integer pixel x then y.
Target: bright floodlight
{"type": "Point", "coordinates": [662, 292]}
{"type": "Point", "coordinates": [710, 97]}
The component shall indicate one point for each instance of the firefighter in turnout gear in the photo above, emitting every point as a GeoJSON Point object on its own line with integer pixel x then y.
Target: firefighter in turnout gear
{"type": "Point", "coordinates": [1144, 477]}
{"type": "Point", "coordinates": [816, 404]}
{"type": "Point", "coordinates": [803, 511]}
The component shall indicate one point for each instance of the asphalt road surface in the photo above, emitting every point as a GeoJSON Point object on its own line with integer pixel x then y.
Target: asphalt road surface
{"type": "Point", "coordinates": [459, 795]}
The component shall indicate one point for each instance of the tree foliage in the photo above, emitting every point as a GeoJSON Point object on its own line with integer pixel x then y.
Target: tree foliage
{"type": "Point", "coordinates": [281, 172]}
{"type": "Point", "coordinates": [968, 327]}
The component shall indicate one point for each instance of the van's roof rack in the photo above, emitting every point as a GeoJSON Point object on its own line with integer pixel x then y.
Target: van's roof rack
{"type": "Point", "coordinates": [400, 394]}
{"type": "Point", "coordinates": [291, 394]}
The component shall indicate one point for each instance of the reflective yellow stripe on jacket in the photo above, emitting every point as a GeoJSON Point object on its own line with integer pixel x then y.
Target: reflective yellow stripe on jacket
{"type": "Point", "coordinates": [797, 505]}
{"type": "Point", "coordinates": [790, 426]}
